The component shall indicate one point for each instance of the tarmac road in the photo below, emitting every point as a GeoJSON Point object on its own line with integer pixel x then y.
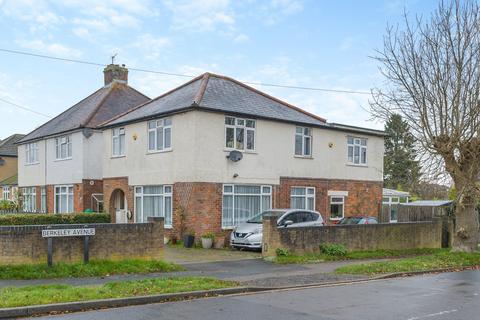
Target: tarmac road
{"type": "Point", "coordinates": [432, 297]}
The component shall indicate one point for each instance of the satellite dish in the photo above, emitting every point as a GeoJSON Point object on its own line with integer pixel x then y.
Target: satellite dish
{"type": "Point", "coordinates": [235, 156]}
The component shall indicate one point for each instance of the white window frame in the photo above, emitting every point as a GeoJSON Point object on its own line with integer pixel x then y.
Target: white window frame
{"type": "Point", "coordinates": [331, 202]}
{"type": "Point", "coordinates": [309, 194]}
{"type": "Point", "coordinates": [165, 124]}
{"type": "Point", "coordinates": [232, 193]}
{"type": "Point", "coordinates": [59, 143]}
{"type": "Point", "coordinates": [29, 199]}
{"type": "Point", "coordinates": [240, 124]}
{"type": "Point", "coordinates": [167, 192]}
{"type": "Point", "coordinates": [304, 137]}
{"type": "Point", "coordinates": [68, 194]}
{"type": "Point", "coordinates": [31, 153]}
{"type": "Point", "coordinates": [43, 199]}
{"type": "Point", "coordinates": [353, 143]}
{"type": "Point", "coordinates": [118, 136]}
{"type": "Point", "coordinates": [6, 193]}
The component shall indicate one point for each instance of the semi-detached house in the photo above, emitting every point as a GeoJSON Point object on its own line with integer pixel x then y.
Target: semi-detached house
{"type": "Point", "coordinates": [60, 163]}
{"type": "Point", "coordinates": [172, 157]}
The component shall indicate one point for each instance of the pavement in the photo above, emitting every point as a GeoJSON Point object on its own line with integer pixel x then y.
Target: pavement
{"type": "Point", "coordinates": [444, 296]}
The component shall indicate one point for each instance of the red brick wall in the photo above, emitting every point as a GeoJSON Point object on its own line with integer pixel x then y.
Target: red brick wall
{"type": "Point", "coordinates": [50, 199]}
{"type": "Point", "coordinates": [364, 197]}
{"type": "Point", "coordinates": [109, 187]}
{"type": "Point", "coordinates": [88, 189]}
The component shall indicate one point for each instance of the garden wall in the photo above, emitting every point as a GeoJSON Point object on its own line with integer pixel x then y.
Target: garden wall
{"type": "Point", "coordinates": [300, 240]}
{"type": "Point", "coordinates": [24, 244]}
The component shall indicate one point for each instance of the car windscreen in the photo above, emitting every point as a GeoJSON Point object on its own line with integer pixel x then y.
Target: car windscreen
{"type": "Point", "coordinates": [350, 221]}
{"type": "Point", "coordinates": [259, 217]}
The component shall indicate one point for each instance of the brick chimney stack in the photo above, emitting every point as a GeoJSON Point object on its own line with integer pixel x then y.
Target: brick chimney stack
{"type": "Point", "coordinates": [115, 72]}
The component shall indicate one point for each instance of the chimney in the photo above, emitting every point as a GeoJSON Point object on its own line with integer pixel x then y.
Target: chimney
{"type": "Point", "coordinates": [115, 72]}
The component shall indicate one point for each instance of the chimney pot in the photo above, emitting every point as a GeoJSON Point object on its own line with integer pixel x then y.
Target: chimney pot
{"type": "Point", "coordinates": [115, 72]}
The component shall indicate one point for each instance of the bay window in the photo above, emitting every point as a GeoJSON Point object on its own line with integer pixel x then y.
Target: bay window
{"type": "Point", "coordinates": [29, 199]}
{"type": "Point", "coordinates": [357, 151]}
{"type": "Point", "coordinates": [63, 147]}
{"type": "Point", "coordinates": [239, 134]}
{"type": "Point", "coordinates": [159, 135]}
{"type": "Point", "coordinates": [63, 199]}
{"type": "Point", "coordinates": [303, 142]}
{"type": "Point", "coordinates": [118, 142]}
{"type": "Point", "coordinates": [31, 153]}
{"type": "Point", "coordinates": [302, 198]}
{"type": "Point", "coordinates": [154, 201]}
{"type": "Point", "coordinates": [242, 202]}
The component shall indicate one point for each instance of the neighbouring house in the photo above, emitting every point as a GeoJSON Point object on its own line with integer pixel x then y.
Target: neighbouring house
{"type": "Point", "coordinates": [9, 167]}
{"type": "Point", "coordinates": [60, 163]}
{"type": "Point", "coordinates": [213, 152]}
{"type": "Point", "coordinates": [392, 197]}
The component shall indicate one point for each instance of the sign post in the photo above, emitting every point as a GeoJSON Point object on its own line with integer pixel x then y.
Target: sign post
{"type": "Point", "coordinates": [56, 233]}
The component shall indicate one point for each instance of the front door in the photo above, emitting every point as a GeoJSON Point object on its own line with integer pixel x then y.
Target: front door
{"type": "Point", "coordinates": [119, 207]}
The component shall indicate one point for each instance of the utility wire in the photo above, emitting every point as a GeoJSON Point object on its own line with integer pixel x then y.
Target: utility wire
{"type": "Point", "coordinates": [179, 74]}
{"type": "Point", "coordinates": [25, 108]}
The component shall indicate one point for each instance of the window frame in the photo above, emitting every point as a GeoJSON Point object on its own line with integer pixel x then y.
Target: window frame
{"type": "Point", "coordinates": [246, 130]}
{"type": "Point", "coordinates": [139, 193]}
{"type": "Point", "coordinates": [117, 135]}
{"type": "Point", "coordinates": [68, 147]}
{"type": "Point", "coordinates": [31, 153]}
{"type": "Point", "coordinates": [232, 193]}
{"type": "Point", "coordinates": [29, 193]}
{"type": "Point", "coordinates": [43, 199]}
{"type": "Point", "coordinates": [305, 197]}
{"type": "Point", "coordinates": [155, 131]}
{"type": "Point", "coordinates": [361, 147]}
{"type": "Point", "coordinates": [68, 194]}
{"type": "Point", "coordinates": [304, 144]}
{"type": "Point", "coordinates": [6, 193]}
{"type": "Point", "coordinates": [337, 203]}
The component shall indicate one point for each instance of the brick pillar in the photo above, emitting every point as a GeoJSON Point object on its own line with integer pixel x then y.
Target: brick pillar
{"type": "Point", "coordinates": [50, 199]}
{"type": "Point", "coordinates": [271, 236]}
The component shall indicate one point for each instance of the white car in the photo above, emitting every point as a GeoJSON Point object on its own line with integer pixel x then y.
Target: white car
{"type": "Point", "coordinates": [249, 234]}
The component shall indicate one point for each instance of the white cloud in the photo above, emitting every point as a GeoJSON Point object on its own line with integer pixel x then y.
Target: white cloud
{"type": "Point", "coordinates": [151, 46]}
{"type": "Point", "coordinates": [56, 49]}
{"type": "Point", "coordinates": [276, 10]}
{"type": "Point", "coordinates": [241, 38]}
{"type": "Point", "coordinates": [197, 15]}
{"type": "Point", "coordinates": [81, 32]}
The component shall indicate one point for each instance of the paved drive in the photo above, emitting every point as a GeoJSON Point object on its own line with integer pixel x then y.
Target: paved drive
{"type": "Point", "coordinates": [448, 296]}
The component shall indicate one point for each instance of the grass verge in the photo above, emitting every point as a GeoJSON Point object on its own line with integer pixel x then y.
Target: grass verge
{"type": "Point", "coordinates": [355, 255]}
{"type": "Point", "coordinates": [438, 260]}
{"type": "Point", "coordinates": [58, 293]}
{"type": "Point", "coordinates": [96, 268]}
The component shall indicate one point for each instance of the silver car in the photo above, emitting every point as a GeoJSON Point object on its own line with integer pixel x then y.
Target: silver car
{"type": "Point", "coordinates": [249, 234]}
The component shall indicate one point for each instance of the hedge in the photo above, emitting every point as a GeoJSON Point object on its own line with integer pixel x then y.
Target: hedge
{"type": "Point", "coordinates": [36, 219]}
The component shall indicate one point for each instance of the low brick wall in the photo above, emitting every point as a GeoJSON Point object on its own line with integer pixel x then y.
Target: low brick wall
{"type": "Point", "coordinates": [24, 244]}
{"type": "Point", "coordinates": [300, 240]}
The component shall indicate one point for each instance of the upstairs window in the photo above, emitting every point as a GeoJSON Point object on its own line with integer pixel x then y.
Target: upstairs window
{"type": "Point", "coordinates": [160, 135]}
{"type": "Point", "coordinates": [357, 150]}
{"type": "Point", "coordinates": [239, 134]}
{"type": "Point", "coordinates": [303, 142]}
{"type": "Point", "coordinates": [118, 142]}
{"type": "Point", "coordinates": [63, 147]}
{"type": "Point", "coordinates": [31, 153]}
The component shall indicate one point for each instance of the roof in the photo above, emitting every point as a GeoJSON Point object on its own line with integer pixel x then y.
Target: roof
{"type": "Point", "coordinates": [395, 193]}
{"type": "Point", "coordinates": [12, 181]}
{"type": "Point", "coordinates": [8, 147]}
{"type": "Point", "coordinates": [429, 203]}
{"type": "Point", "coordinates": [100, 106]}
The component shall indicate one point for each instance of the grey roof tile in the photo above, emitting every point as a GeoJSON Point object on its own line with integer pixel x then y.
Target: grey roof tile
{"type": "Point", "coordinates": [8, 147]}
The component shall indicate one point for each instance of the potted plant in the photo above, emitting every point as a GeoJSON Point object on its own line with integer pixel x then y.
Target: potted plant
{"type": "Point", "coordinates": [188, 240]}
{"type": "Point", "coordinates": [207, 240]}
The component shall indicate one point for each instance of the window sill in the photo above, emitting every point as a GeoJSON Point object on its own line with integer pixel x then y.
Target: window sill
{"type": "Point", "coordinates": [65, 159]}
{"type": "Point", "coordinates": [159, 151]}
{"type": "Point", "coordinates": [303, 157]}
{"type": "Point", "coordinates": [335, 219]}
{"type": "Point", "coordinates": [242, 151]}
{"type": "Point", "coordinates": [32, 164]}
{"type": "Point", "coordinates": [357, 165]}
{"type": "Point", "coordinates": [116, 157]}
{"type": "Point", "coordinates": [228, 228]}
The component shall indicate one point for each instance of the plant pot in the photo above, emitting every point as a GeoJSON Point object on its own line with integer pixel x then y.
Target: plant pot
{"type": "Point", "coordinates": [188, 241]}
{"type": "Point", "coordinates": [207, 243]}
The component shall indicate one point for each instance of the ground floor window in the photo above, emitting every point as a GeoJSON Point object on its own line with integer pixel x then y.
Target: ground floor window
{"type": "Point", "coordinates": [97, 202]}
{"type": "Point", "coordinates": [29, 199]}
{"type": "Point", "coordinates": [242, 202]}
{"type": "Point", "coordinates": [154, 201]}
{"type": "Point", "coordinates": [63, 199]}
{"type": "Point", "coordinates": [43, 200]}
{"type": "Point", "coordinates": [302, 198]}
{"type": "Point", "coordinates": [337, 207]}
{"type": "Point", "coordinates": [6, 193]}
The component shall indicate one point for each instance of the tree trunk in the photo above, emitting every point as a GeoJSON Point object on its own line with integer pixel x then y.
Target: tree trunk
{"type": "Point", "coordinates": [466, 234]}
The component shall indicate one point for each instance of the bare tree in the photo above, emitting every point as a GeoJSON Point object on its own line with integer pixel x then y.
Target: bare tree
{"type": "Point", "coordinates": [432, 71]}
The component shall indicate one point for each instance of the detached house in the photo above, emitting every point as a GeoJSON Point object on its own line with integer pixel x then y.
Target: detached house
{"type": "Point", "coordinates": [8, 167]}
{"type": "Point", "coordinates": [214, 152]}
{"type": "Point", "coordinates": [60, 163]}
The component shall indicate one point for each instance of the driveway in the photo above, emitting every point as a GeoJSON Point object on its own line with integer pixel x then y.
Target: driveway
{"type": "Point", "coordinates": [185, 256]}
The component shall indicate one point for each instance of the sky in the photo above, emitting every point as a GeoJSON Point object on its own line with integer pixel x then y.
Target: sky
{"type": "Point", "coordinates": [309, 43]}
